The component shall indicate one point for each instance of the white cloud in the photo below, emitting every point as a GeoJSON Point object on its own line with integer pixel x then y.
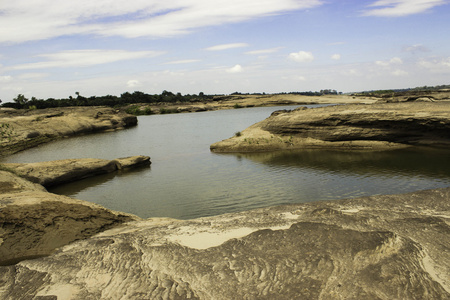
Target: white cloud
{"type": "Point", "coordinates": [133, 83]}
{"type": "Point", "coordinates": [24, 20]}
{"type": "Point", "coordinates": [436, 65]}
{"type": "Point", "coordinates": [400, 73]}
{"type": "Point", "coordinates": [5, 78]}
{"type": "Point", "coordinates": [397, 8]}
{"type": "Point", "coordinates": [27, 76]}
{"type": "Point", "coordinates": [235, 69]}
{"type": "Point", "coordinates": [83, 58]}
{"type": "Point", "coordinates": [301, 56]}
{"type": "Point", "coordinates": [416, 48]}
{"type": "Point", "coordinates": [336, 56]}
{"type": "Point", "coordinates": [392, 61]}
{"type": "Point", "coordinates": [264, 51]}
{"type": "Point", "coordinates": [184, 61]}
{"type": "Point", "coordinates": [226, 46]}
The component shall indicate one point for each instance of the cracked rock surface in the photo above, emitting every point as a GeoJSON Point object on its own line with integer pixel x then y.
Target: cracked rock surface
{"type": "Point", "coordinates": [380, 247]}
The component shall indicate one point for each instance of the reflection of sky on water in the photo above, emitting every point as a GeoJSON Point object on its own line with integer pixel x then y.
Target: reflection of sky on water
{"type": "Point", "coordinates": [186, 180]}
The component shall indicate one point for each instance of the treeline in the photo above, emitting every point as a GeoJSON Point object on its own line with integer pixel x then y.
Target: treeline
{"type": "Point", "coordinates": [397, 92]}
{"type": "Point", "coordinates": [309, 93]}
{"type": "Point", "coordinates": [109, 100]}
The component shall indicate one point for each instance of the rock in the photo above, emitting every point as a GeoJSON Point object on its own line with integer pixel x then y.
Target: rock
{"type": "Point", "coordinates": [381, 247]}
{"type": "Point", "coordinates": [29, 128]}
{"type": "Point", "coordinates": [34, 223]}
{"type": "Point", "coordinates": [375, 127]}
{"type": "Point", "coordinates": [67, 170]}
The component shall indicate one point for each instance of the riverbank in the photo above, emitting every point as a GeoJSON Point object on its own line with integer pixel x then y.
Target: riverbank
{"type": "Point", "coordinates": [379, 126]}
{"type": "Point", "coordinates": [245, 101]}
{"type": "Point", "coordinates": [34, 222]}
{"type": "Point", "coordinates": [380, 247]}
{"type": "Point", "coordinates": [24, 129]}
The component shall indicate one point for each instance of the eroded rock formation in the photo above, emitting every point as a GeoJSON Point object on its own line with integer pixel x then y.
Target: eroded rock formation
{"type": "Point", "coordinates": [374, 126]}
{"type": "Point", "coordinates": [67, 170]}
{"type": "Point", "coordinates": [381, 247]}
{"type": "Point", "coordinates": [28, 128]}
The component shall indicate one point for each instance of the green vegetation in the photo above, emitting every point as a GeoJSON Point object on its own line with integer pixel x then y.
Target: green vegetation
{"type": "Point", "coordinates": [237, 105]}
{"type": "Point", "coordinates": [238, 134]}
{"type": "Point", "coordinates": [402, 92]}
{"type": "Point", "coordinates": [113, 101]}
{"type": "Point", "coordinates": [168, 110]}
{"type": "Point", "coordinates": [137, 111]}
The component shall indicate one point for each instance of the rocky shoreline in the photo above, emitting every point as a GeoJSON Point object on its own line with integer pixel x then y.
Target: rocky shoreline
{"type": "Point", "coordinates": [379, 247]}
{"type": "Point", "coordinates": [29, 128]}
{"type": "Point", "coordinates": [380, 126]}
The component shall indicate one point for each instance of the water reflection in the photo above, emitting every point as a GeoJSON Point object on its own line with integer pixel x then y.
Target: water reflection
{"type": "Point", "coordinates": [432, 163]}
{"type": "Point", "coordinates": [75, 187]}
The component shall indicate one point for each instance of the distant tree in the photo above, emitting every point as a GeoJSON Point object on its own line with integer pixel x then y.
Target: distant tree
{"type": "Point", "coordinates": [21, 100]}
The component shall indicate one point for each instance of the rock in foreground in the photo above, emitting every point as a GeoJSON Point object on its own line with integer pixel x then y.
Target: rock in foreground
{"type": "Point", "coordinates": [375, 127]}
{"type": "Point", "coordinates": [34, 222]}
{"type": "Point", "coordinates": [381, 247]}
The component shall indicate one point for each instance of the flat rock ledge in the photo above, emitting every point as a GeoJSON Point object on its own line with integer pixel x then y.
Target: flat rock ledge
{"type": "Point", "coordinates": [57, 172]}
{"type": "Point", "coordinates": [23, 129]}
{"type": "Point", "coordinates": [380, 126]}
{"type": "Point", "coordinates": [34, 222]}
{"type": "Point", "coordinates": [380, 247]}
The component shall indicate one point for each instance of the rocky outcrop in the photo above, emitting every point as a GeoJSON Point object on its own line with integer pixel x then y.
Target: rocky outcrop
{"type": "Point", "coordinates": [67, 170]}
{"type": "Point", "coordinates": [28, 128]}
{"type": "Point", "coordinates": [381, 247]}
{"type": "Point", "coordinates": [375, 126]}
{"type": "Point", "coordinates": [34, 223]}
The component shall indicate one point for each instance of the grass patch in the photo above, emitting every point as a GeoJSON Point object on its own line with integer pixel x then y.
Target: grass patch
{"type": "Point", "coordinates": [168, 110]}
{"type": "Point", "coordinates": [137, 111]}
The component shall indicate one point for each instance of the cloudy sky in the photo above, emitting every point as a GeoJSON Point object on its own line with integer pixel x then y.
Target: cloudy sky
{"type": "Point", "coordinates": [54, 48]}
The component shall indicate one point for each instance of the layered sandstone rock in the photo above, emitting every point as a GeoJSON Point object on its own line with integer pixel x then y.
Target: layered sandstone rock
{"type": "Point", "coordinates": [34, 222]}
{"type": "Point", "coordinates": [375, 126]}
{"type": "Point", "coordinates": [53, 173]}
{"type": "Point", "coordinates": [28, 128]}
{"type": "Point", "coordinates": [381, 247]}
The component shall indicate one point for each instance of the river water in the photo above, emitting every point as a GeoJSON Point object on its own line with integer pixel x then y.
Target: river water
{"type": "Point", "coordinates": [187, 181]}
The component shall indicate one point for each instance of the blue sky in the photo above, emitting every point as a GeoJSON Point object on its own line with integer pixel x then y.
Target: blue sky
{"type": "Point", "coordinates": [97, 47]}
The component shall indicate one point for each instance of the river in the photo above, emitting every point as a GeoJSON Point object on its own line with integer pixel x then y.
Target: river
{"type": "Point", "coordinates": [187, 181]}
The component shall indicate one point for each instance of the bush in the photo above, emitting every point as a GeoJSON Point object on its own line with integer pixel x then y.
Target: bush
{"type": "Point", "coordinates": [168, 110]}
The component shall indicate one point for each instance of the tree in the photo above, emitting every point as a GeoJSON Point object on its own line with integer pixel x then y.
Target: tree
{"type": "Point", "coordinates": [21, 100]}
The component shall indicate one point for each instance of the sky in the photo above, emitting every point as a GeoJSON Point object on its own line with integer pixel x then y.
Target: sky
{"type": "Point", "coordinates": [53, 49]}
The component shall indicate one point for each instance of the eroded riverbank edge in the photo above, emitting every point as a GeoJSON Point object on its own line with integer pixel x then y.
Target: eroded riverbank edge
{"type": "Point", "coordinates": [379, 247]}
{"type": "Point", "coordinates": [379, 126]}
